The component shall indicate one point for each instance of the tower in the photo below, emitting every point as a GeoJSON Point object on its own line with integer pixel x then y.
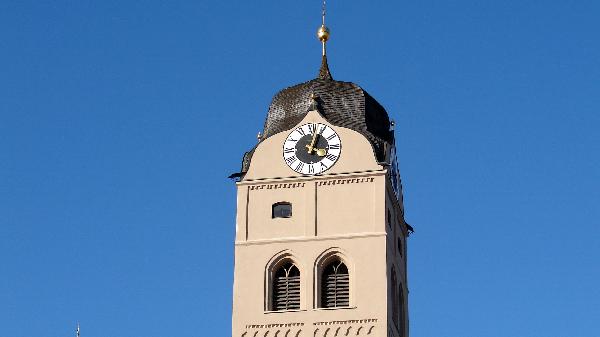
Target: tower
{"type": "Point", "coordinates": [320, 247]}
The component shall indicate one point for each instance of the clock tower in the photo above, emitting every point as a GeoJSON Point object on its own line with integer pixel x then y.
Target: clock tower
{"type": "Point", "coordinates": [320, 247]}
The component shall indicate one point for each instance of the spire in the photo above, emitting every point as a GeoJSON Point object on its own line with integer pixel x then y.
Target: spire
{"type": "Point", "coordinates": [324, 73]}
{"type": "Point", "coordinates": [323, 35]}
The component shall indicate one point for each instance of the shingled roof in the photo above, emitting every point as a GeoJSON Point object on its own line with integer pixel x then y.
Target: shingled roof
{"type": "Point", "coordinates": [342, 104]}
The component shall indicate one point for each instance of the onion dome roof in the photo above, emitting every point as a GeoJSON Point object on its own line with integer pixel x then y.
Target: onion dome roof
{"type": "Point", "coordinates": [343, 104]}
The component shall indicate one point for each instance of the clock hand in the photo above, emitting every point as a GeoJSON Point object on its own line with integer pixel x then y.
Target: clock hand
{"type": "Point", "coordinates": [321, 152]}
{"type": "Point", "coordinates": [312, 143]}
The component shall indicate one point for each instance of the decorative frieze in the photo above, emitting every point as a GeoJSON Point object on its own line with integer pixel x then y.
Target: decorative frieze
{"type": "Point", "coordinates": [273, 333]}
{"type": "Point", "coordinates": [350, 327]}
{"type": "Point", "coordinates": [333, 182]}
{"type": "Point", "coordinates": [349, 321]}
{"type": "Point", "coordinates": [329, 182]}
{"type": "Point", "coordinates": [277, 186]}
{"type": "Point", "coordinates": [273, 325]}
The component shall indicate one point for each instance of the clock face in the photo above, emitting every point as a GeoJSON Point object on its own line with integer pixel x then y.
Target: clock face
{"type": "Point", "coordinates": [312, 148]}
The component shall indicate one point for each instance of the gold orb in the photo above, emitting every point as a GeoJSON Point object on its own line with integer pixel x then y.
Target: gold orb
{"type": "Point", "coordinates": [323, 33]}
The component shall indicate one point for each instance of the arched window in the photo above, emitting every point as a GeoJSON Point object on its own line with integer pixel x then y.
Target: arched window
{"type": "Point", "coordinates": [286, 287]}
{"type": "Point", "coordinates": [282, 210]}
{"type": "Point", "coordinates": [335, 285]}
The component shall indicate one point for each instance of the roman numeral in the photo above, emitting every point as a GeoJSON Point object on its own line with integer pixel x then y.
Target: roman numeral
{"type": "Point", "coordinates": [289, 150]}
{"type": "Point", "coordinates": [331, 157]}
{"type": "Point", "coordinates": [290, 160]}
{"type": "Point", "coordinates": [331, 137]}
{"type": "Point", "coordinates": [312, 128]}
{"type": "Point", "coordinates": [311, 169]}
{"type": "Point", "coordinates": [299, 166]}
{"type": "Point", "coordinates": [300, 131]}
{"type": "Point", "coordinates": [291, 140]}
{"type": "Point", "coordinates": [323, 166]}
{"type": "Point", "coordinates": [334, 146]}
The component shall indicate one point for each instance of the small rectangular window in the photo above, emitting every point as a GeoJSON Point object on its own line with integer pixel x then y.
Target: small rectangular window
{"type": "Point", "coordinates": [282, 210]}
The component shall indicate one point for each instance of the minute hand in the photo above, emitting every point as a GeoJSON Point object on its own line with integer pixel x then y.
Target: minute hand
{"type": "Point", "coordinates": [312, 143]}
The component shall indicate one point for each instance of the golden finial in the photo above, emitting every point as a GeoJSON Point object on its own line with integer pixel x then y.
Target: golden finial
{"type": "Point", "coordinates": [323, 35]}
{"type": "Point", "coordinates": [323, 32]}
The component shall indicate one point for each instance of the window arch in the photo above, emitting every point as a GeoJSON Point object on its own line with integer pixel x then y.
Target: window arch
{"type": "Point", "coordinates": [335, 285]}
{"type": "Point", "coordinates": [285, 287]}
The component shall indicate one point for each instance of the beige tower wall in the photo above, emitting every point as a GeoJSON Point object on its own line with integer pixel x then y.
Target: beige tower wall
{"type": "Point", "coordinates": [343, 212]}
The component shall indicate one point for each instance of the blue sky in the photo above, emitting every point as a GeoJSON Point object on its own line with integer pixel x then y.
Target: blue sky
{"type": "Point", "coordinates": [120, 121]}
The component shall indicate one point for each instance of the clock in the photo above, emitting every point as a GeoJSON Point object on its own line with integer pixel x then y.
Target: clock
{"type": "Point", "coordinates": [312, 148]}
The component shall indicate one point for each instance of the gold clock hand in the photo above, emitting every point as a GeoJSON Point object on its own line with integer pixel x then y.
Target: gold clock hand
{"type": "Point", "coordinates": [321, 152]}
{"type": "Point", "coordinates": [312, 143]}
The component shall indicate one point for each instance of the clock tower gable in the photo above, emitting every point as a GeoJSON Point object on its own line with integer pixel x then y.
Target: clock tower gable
{"type": "Point", "coordinates": [356, 153]}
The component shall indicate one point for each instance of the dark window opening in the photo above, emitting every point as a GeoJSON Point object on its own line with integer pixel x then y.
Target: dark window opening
{"type": "Point", "coordinates": [400, 246]}
{"type": "Point", "coordinates": [335, 285]}
{"type": "Point", "coordinates": [286, 288]}
{"type": "Point", "coordinates": [389, 219]}
{"type": "Point", "coordinates": [282, 210]}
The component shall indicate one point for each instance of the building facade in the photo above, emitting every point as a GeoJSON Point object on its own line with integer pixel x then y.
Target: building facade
{"type": "Point", "coordinates": [320, 247]}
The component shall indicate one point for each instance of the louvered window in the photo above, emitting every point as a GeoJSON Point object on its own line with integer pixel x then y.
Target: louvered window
{"type": "Point", "coordinates": [335, 285]}
{"type": "Point", "coordinates": [286, 288]}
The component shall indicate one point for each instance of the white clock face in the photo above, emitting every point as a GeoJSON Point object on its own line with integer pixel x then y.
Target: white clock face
{"type": "Point", "coordinates": [312, 148]}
